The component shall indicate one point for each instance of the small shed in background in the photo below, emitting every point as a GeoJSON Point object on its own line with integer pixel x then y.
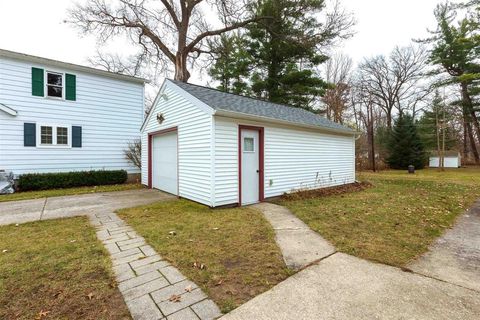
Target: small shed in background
{"type": "Point", "coordinates": [451, 160]}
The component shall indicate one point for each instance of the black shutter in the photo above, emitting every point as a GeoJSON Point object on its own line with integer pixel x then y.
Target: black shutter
{"type": "Point", "coordinates": [29, 135]}
{"type": "Point", "coordinates": [76, 137]}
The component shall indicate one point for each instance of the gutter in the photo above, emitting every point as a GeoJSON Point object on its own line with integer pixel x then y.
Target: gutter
{"type": "Point", "coordinates": [246, 116]}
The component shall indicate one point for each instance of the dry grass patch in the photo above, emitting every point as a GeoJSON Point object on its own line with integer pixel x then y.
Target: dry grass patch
{"type": "Point", "coordinates": [397, 219]}
{"type": "Point", "coordinates": [237, 247]}
{"type": "Point", "coordinates": [67, 192]}
{"type": "Point", "coordinates": [59, 269]}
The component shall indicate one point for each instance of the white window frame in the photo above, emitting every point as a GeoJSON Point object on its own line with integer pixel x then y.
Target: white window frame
{"type": "Point", "coordinates": [54, 136]}
{"type": "Point", "coordinates": [46, 84]}
{"type": "Point", "coordinates": [253, 145]}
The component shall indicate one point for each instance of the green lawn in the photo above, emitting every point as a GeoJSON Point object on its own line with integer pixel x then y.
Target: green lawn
{"type": "Point", "coordinates": [236, 246]}
{"type": "Point", "coordinates": [67, 192]}
{"type": "Point", "coordinates": [59, 269]}
{"type": "Point", "coordinates": [396, 219]}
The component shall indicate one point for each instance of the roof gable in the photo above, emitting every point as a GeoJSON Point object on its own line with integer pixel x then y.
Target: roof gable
{"type": "Point", "coordinates": [184, 94]}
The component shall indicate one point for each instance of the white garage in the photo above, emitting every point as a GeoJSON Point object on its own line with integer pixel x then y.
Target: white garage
{"type": "Point", "coordinates": [218, 148]}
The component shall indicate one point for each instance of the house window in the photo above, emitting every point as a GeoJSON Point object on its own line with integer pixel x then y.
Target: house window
{"type": "Point", "coordinates": [54, 84]}
{"type": "Point", "coordinates": [46, 135]}
{"type": "Point", "coordinates": [62, 135]}
{"type": "Point", "coordinates": [54, 135]}
{"type": "Point", "coordinates": [248, 144]}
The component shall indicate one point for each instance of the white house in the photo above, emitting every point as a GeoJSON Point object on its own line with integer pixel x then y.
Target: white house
{"type": "Point", "coordinates": [57, 116]}
{"type": "Point", "coordinates": [220, 149]}
{"type": "Point", "coordinates": [451, 160]}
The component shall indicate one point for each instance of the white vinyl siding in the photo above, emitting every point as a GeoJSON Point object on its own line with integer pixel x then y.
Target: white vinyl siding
{"type": "Point", "coordinates": [110, 112]}
{"type": "Point", "coordinates": [194, 143]}
{"type": "Point", "coordinates": [294, 159]}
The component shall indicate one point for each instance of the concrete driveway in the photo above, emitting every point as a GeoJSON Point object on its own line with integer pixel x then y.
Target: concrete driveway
{"type": "Point", "coordinates": [69, 206]}
{"type": "Point", "coordinates": [455, 257]}
{"type": "Point", "coordinates": [346, 287]}
{"type": "Point", "coordinates": [340, 286]}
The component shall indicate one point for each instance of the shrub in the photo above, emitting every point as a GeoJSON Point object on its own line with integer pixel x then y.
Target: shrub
{"type": "Point", "coordinates": [44, 181]}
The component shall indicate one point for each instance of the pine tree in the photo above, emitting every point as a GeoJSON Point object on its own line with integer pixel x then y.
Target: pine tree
{"type": "Point", "coordinates": [455, 50]}
{"type": "Point", "coordinates": [284, 49]}
{"type": "Point", "coordinates": [282, 52]}
{"type": "Point", "coordinates": [405, 146]}
{"type": "Point", "coordinates": [232, 65]}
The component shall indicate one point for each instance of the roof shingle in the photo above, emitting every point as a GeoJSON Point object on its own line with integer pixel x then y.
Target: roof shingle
{"type": "Point", "coordinates": [219, 100]}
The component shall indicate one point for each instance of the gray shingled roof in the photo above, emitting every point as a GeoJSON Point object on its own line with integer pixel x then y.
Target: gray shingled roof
{"type": "Point", "coordinates": [219, 100]}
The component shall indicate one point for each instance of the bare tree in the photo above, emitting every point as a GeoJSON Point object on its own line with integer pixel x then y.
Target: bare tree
{"type": "Point", "coordinates": [336, 99]}
{"type": "Point", "coordinates": [365, 105]}
{"type": "Point", "coordinates": [133, 153]}
{"type": "Point", "coordinates": [168, 32]}
{"type": "Point", "coordinates": [395, 81]}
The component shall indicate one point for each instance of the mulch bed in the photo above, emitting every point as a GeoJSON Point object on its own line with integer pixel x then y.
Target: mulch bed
{"type": "Point", "coordinates": [325, 192]}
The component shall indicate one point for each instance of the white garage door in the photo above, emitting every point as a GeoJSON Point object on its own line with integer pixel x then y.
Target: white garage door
{"type": "Point", "coordinates": [164, 162]}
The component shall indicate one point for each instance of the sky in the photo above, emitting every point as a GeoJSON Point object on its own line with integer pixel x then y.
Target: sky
{"type": "Point", "coordinates": [37, 27]}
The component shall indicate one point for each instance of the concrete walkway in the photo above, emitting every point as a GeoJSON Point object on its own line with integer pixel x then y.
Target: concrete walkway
{"type": "Point", "coordinates": [339, 286]}
{"type": "Point", "coordinates": [455, 257]}
{"type": "Point", "coordinates": [299, 244]}
{"type": "Point", "coordinates": [146, 281]}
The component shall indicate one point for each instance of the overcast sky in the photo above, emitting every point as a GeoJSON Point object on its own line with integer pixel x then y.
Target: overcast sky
{"type": "Point", "coordinates": [36, 27]}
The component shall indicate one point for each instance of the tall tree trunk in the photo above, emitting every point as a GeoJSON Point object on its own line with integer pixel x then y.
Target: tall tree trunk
{"type": "Point", "coordinates": [473, 145]}
{"type": "Point", "coordinates": [465, 138]}
{"type": "Point", "coordinates": [371, 138]}
{"type": "Point", "coordinates": [467, 102]}
{"type": "Point", "coordinates": [181, 71]}
{"type": "Point", "coordinates": [389, 119]}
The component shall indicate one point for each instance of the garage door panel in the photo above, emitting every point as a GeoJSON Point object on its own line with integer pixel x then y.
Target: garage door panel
{"type": "Point", "coordinates": [164, 162]}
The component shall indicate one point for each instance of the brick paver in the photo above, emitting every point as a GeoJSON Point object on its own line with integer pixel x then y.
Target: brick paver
{"type": "Point", "coordinates": [145, 279]}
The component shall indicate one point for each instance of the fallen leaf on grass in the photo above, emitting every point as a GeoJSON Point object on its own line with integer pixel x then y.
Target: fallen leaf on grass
{"type": "Point", "coordinates": [90, 296]}
{"type": "Point", "coordinates": [219, 283]}
{"type": "Point", "coordinates": [5, 250]}
{"type": "Point", "coordinates": [42, 314]}
{"type": "Point", "coordinates": [175, 298]}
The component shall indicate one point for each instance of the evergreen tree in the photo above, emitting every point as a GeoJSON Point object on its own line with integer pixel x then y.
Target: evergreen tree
{"type": "Point", "coordinates": [455, 49]}
{"type": "Point", "coordinates": [232, 65]}
{"type": "Point", "coordinates": [284, 51]}
{"type": "Point", "coordinates": [405, 146]}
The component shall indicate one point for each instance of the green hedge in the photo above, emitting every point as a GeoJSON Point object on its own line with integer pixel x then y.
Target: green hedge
{"type": "Point", "coordinates": [45, 181]}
